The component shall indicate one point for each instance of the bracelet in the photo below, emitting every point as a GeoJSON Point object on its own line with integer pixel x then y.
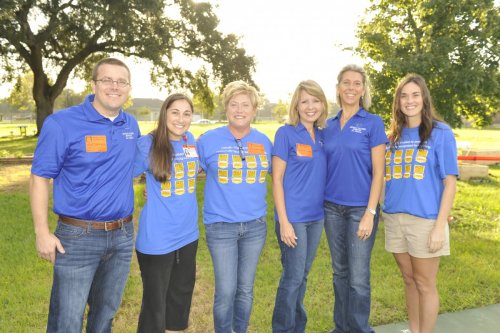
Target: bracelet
{"type": "Point", "coordinates": [371, 210]}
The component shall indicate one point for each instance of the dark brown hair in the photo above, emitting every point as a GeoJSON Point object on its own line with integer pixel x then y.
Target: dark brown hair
{"type": "Point", "coordinates": [398, 120]}
{"type": "Point", "coordinates": [161, 153]}
{"type": "Point", "coordinates": [108, 61]}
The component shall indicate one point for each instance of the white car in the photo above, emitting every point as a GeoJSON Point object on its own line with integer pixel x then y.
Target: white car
{"type": "Point", "coordinates": [204, 121]}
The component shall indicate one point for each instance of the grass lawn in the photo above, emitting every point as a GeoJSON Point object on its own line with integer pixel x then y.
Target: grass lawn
{"type": "Point", "coordinates": [468, 278]}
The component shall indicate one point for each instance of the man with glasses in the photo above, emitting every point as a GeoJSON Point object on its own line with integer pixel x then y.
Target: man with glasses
{"type": "Point", "coordinates": [88, 150]}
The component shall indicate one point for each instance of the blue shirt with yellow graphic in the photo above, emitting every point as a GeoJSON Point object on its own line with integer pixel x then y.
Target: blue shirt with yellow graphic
{"type": "Point", "coordinates": [235, 189]}
{"type": "Point", "coordinates": [414, 177]}
{"type": "Point", "coordinates": [169, 219]}
{"type": "Point", "coordinates": [305, 174]}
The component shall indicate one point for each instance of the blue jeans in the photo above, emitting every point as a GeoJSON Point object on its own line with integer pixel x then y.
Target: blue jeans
{"type": "Point", "coordinates": [94, 269]}
{"type": "Point", "coordinates": [351, 267]}
{"type": "Point", "coordinates": [289, 313]}
{"type": "Point", "coordinates": [235, 249]}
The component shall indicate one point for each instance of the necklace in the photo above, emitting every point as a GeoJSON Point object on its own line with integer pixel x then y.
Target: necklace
{"type": "Point", "coordinates": [345, 119]}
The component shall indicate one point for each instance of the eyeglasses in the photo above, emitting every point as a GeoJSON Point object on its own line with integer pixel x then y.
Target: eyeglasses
{"type": "Point", "coordinates": [109, 82]}
{"type": "Point", "coordinates": [240, 148]}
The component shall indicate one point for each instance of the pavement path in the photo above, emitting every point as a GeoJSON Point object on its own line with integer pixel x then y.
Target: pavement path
{"type": "Point", "coordinates": [480, 320]}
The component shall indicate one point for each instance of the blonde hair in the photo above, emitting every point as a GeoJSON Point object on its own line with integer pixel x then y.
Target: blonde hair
{"type": "Point", "coordinates": [312, 88]}
{"type": "Point", "coordinates": [366, 100]}
{"type": "Point", "coordinates": [240, 87]}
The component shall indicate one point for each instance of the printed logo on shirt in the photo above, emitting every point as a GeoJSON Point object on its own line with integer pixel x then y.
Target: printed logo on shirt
{"type": "Point", "coordinates": [237, 162]}
{"type": "Point", "coordinates": [263, 161]}
{"type": "Point", "coordinates": [166, 189]}
{"type": "Point", "coordinates": [407, 171]}
{"type": "Point", "coordinates": [237, 176]}
{"type": "Point", "coordinates": [191, 185]}
{"type": "Point", "coordinates": [418, 170]}
{"type": "Point", "coordinates": [421, 155]}
{"type": "Point", "coordinates": [387, 172]}
{"type": "Point", "coordinates": [303, 150]}
{"type": "Point", "coordinates": [409, 155]}
{"type": "Point", "coordinates": [191, 166]}
{"type": "Point", "coordinates": [397, 172]}
{"type": "Point", "coordinates": [222, 176]}
{"type": "Point", "coordinates": [179, 170]}
{"type": "Point", "coordinates": [179, 187]}
{"type": "Point", "coordinates": [262, 176]}
{"type": "Point", "coordinates": [398, 156]}
{"type": "Point", "coordinates": [357, 128]}
{"type": "Point", "coordinates": [95, 144]}
{"type": "Point", "coordinates": [251, 161]}
{"type": "Point", "coordinates": [222, 161]}
{"type": "Point", "coordinates": [129, 135]}
{"type": "Point", "coordinates": [251, 176]}
{"type": "Point", "coordinates": [388, 154]}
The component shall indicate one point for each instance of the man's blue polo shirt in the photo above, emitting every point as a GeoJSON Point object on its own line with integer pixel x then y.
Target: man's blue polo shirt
{"type": "Point", "coordinates": [305, 174]}
{"type": "Point", "coordinates": [348, 155]}
{"type": "Point", "coordinates": [90, 159]}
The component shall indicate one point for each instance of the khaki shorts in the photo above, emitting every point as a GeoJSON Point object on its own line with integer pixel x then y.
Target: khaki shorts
{"type": "Point", "coordinates": [409, 233]}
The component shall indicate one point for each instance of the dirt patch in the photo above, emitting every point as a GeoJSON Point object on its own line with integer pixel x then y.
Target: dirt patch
{"type": "Point", "coordinates": [14, 177]}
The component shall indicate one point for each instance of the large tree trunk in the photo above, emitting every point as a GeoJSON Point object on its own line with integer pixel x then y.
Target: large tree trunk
{"type": "Point", "coordinates": [44, 108]}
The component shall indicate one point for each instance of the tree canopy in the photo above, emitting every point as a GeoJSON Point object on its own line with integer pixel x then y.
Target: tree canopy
{"type": "Point", "coordinates": [60, 38]}
{"type": "Point", "coordinates": [454, 45]}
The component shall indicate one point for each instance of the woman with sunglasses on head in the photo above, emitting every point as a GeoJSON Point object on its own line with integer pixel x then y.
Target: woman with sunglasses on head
{"type": "Point", "coordinates": [355, 146]}
{"type": "Point", "coordinates": [421, 170]}
{"type": "Point", "coordinates": [299, 175]}
{"type": "Point", "coordinates": [167, 239]}
{"type": "Point", "coordinates": [236, 159]}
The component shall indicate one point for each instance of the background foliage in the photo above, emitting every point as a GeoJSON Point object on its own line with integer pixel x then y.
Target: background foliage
{"type": "Point", "coordinates": [455, 45]}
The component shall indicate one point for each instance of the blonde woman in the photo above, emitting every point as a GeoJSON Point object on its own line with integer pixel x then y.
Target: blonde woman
{"type": "Point", "coordinates": [236, 159]}
{"type": "Point", "coordinates": [299, 174]}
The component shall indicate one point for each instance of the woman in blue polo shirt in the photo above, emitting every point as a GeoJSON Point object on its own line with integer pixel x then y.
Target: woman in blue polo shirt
{"type": "Point", "coordinates": [167, 239]}
{"type": "Point", "coordinates": [421, 170]}
{"type": "Point", "coordinates": [236, 159]}
{"type": "Point", "coordinates": [355, 147]}
{"type": "Point", "coordinates": [299, 175]}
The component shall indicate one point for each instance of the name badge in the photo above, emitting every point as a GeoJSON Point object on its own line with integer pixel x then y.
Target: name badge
{"type": "Point", "coordinates": [304, 150]}
{"type": "Point", "coordinates": [95, 144]}
{"type": "Point", "coordinates": [190, 151]}
{"type": "Point", "coordinates": [256, 148]}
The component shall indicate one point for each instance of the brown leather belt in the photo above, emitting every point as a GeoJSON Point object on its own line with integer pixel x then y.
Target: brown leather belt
{"type": "Point", "coordinates": [100, 225]}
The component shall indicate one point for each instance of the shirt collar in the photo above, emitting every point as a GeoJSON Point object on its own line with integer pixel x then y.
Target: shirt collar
{"type": "Point", "coordinates": [93, 115]}
{"type": "Point", "coordinates": [361, 112]}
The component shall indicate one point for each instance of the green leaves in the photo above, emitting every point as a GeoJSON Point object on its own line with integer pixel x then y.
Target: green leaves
{"type": "Point", "coordinates": [57, 38]}
{"type": "Point", "coordinates": [453, 44]}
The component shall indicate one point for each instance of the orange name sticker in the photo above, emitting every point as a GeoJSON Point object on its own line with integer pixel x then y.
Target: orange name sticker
{"type": "Point", "coordinates": [256, 148]}
{"type": "Point", "coordinates": [95, 144]}
{"type": "Point", "coordinates": [304, 150]}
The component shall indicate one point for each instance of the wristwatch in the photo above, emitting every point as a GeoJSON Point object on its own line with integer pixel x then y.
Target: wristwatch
{"type": "Point", "coordinates": [371, 210]}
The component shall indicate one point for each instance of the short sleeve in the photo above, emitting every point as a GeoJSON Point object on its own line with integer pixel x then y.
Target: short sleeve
{"type": "Point", "coordinates": [378, 135]}
{"type": "Point", "coordinates": [281, 144]}
{"type": "Point", "coordinates": [200, 147]}
{"type": "Point", "coordinates": [50, 151]}
{"type": "Point", "coordinates": [141, 160]}
{"type": "Point", "coordinates": [446, 152]}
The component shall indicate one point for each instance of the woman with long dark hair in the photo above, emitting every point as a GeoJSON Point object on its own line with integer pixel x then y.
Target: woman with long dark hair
{"type": "Point", "coordinates": [167, 239]}
{"type": "Point", "coordinates": [421, 170]}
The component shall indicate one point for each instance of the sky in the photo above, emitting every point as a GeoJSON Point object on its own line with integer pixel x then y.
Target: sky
{"type": "Point", "coordinates": [291, 40]}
